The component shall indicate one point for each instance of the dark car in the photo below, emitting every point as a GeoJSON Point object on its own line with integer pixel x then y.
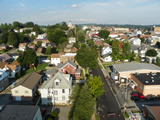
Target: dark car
{"type": "Point", "coordinates": [150, 97]}
{"type": "Point", "coordinates": [43, 111]}
{"type": "Point", "coordinates": [134, 98]}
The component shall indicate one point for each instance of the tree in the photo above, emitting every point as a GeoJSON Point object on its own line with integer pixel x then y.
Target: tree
{"type": "Point", "coordinates": [55, 36]}
{"type": "Point", "coordinates": [16, 25]}
{"type": "Point", "coordinates": [81, 36]}
{"type": "Point", "coordinates": [86, 57]}
{"type": "Point", "coordinates": [48, 50]}
{"type": "Point", "coordinates": [13, 39]}
{"type": "Point", "coordinates": [39, 43]}
{"type": "Point", "coordinates": [27, 58]}
{"type": "Point", "coordinates": [158, 44]}
{"type": "Point", "coordinates": [95, 85]}
{"type": "Point", "coordinates": [37, 29]}
{"type": "Point", "coordinates": [126, 50]}
{"type": "Point", "coordinates": [103, 34]}
{"type": "Point", "coordinates": [84, 105]}
{"type": "Point", "coordinates": [142, 40]}
{"type": "Point", "coordinates": [132, 57]}
{"type": "Point", "coordinates": [62, 46]}
{"type": "Point", "coordinates": [158, 61]}
{"type": "Point", "coordinates": [4, 37]}
{"type": "Point", "coordinates": [151, 53]}
{"type": "Point", "coordinates": [29, 24]}
{"type": "Point", "coordinates": [115, 50]}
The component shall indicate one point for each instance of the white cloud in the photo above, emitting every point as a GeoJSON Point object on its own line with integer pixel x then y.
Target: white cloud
{"type": "Point", "coordinates": [75, 6]}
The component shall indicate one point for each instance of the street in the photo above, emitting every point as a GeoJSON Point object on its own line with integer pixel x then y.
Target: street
{"type": "Point", "coordinates": [107, 103]}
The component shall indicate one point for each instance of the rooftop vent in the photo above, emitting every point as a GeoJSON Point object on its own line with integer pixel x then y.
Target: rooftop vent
{"type": "Point", "coordinates": [152, 77]}
{"type": "Point", "coordinates": [152, 80]}
{"type": "Point", "coordinates": [147, 82]}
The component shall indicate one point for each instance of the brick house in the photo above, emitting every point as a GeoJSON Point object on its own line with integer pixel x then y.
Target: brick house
{"type": "Point", "coordinates": [69, 67]}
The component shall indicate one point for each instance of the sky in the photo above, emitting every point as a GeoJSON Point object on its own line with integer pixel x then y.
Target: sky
{"type": "Point", "coordinates": [48, 12]}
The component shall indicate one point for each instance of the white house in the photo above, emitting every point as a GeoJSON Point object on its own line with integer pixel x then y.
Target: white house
{"type": "Point", "coordinates": [42, 36]}
{"type": "Point", "coordinates": [55, 59]}
{"type": "Point", "coordinates": [106, 58]}
{"type": "Point", "coordinates": [72, 40]}
{"type": "Point", "coordinates": [106, 50]}
{"type": "Point", "coordinates": [139, 50]}
{"type": "Point", "coordinates": [135, 41]}
{"type": "Point", "coordinates": [22, 46]}
{"type": "Point", "coordinates": [57, 89]}
{"type": "Point", "coordinates": [137, 32]}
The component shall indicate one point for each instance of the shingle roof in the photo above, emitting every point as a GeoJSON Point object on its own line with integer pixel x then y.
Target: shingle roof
{"type": "Point", "coordinates": [55, 56]}
{"type": "Point", "coordinates": [60, 65]}
{"type": "Point", "coordinates": [64, 83]}
{"type": "Point", "coordinates": [30, 80]}
{"type": "Point", "coordinates": [18, 112]}
{"type": "Point", "coordinates": [3, 64]}
{"type": "Point", "coordinates": [124, 67]}
{"type": "Point", "coordinates": [5, 57]}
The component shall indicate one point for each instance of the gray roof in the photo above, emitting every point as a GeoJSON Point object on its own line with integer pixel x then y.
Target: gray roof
{"type": "Point", "coordinates": [30, 80]}
{"type": "Point", "coordinates": [64, 83]}
{"type": "Point", "coordinates": [5, 57]}
{"type": "Point", "coordinates": [124, 67]}
{"type": "Point", "coordinates": [137, 47]}
{"type": "Point", "coordinates": [60, 65]}
{"type": "Point", "coordinates": [105, 55]}
{"type": "Point", "coordinates": [18, 112]}
{"type": "Point", "coordinates": [51, 71]}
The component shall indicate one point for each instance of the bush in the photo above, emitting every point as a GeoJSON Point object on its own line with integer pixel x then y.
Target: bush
{"type": "Point", "coordinates": [54, 114]}
{"type": "Point", "coordinates": [151, 53]}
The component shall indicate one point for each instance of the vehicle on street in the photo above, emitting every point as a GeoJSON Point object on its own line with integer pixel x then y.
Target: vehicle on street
{"type": "Point", "coordinates": [43, 111]}
{"type": "Point", "coordinates": [150, 97]}
{"type": "Point", "coordinates": [136, 96]}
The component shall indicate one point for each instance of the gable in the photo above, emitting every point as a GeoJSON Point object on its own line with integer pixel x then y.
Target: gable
{"type": "Point", "coordinates": [20, 87]}
{"type": "Point", "coordinates": [68, 65]}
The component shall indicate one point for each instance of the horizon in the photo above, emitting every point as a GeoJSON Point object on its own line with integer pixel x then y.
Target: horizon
{"type": "Point", "coordinates": [120, 12]}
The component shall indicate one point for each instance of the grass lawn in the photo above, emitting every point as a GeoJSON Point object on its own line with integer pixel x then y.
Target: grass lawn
{"type": "Point", "coordinates": [125, 114]}
{"type": "Point", "coordinates": [40, 67]}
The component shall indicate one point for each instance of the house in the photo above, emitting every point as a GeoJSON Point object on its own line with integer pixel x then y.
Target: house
{"type": "Point", "coordinates": [4, 47]}
{"type": "Point", "coordinates": [32, 46]}
{"type": "Point", "coordinates": [51, 72]}
{"type": "Point", "coordinates": [57, 89]}
{"type": "Point", "coordinates": [45, 45]}
{"type": "Point", "coordinates": [13, 56]}
{"type": "Point", "coordinates": [4, 82]}
{"type": "Point", "coordinates": [64, 57]}
{"type": "Point", "coordinates": [146, 83]}
{"type": "Point", "coordinates": [106, 58]}
{"type": "Point", "coordinates": [35, 41]}
{"type": "Point", "coordinates": [22, 46]}
{"type": "Point", "coordinates": [5, 58]}
{"type": "Point", "coordinates": [74, 50]}
{"type": "Point", "coordinates": [135, 41]}
{"type": "Point", "coordinates": [137, 32]}
{"type": "Point", "coordinates": [114, 35]}
{"type": "Point", "coordinates": [42, 36]}
{"type": "Point", "coordinates": [69, 67]}
{"type": "Point", "coordinates": [106, 50]}
{"type": "Point", "coordinates": [139, 50]}
{"type": "Point", "coordinates": [15, 67]}
{"type": "Point", "coordinates": [71, 40]}
{"type": "Point", "coordinates": [122, 72]}
{"type": "Point", "coordinates": [21, 112]}
{"type": "Point", "coordinates": [26, 88]}
{"type": "Point", "coordinates": [151, 112]}
{"type": "Point", "coordinates": [55, 59]}
{"type": "Point", "coordinates": [121, 29]}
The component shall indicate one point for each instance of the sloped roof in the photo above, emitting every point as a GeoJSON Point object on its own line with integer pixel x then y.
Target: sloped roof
{"type": "Point", "coordinates": [132, 66]}
{"type": "Point", "coordinates": [30, 80]}
{"type": "Point", "coordinates": [64, 83]}
{"type": "Point", "coordinates": [55, 56]}
{"type": "Point", "coordinates": [5, 57]}
{"type": "Point", "coordinates": [18, 112]}
{"type": "Point", "coordinates": [154, 110]}
{"type": "Point", "coordinates": [60, 65]}
{"type": "Point", "coordinates": [3, 75]}
{"type": "Point", "coordinates": [3, 64]}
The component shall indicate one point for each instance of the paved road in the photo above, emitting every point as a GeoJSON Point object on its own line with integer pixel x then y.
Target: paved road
{"type": "Point", "coordinates": [107, 103]}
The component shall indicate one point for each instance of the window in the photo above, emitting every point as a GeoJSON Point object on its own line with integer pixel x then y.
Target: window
{"type": "Point", "coordinates": [49, 98]}
{"type": "Point", "coordinates": [73, 70]}
{"type": "Point", "coordinates": [55, 92]}
{"type": "Point", "coordinates": [26, 91]}
{"type": "Point", "coordinates": [16, 91]}
{"type": "Point", "coordinates": [56, 98]}
{"type": "Point", "coordinates": [57, 83]}
{"type": "Point", "coordinates": [63, 97]}
{"type": "Point", "coordinates": [68, 66]}
{"type": "Point", "coordinates": [63, 90]}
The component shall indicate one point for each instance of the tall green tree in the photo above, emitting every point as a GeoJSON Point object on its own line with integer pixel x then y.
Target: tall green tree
{"type": "Point", "coordinates": [86, 57]}
{"type": "Point", "coordinates": [81, 36]}
{"type": "Point", "coordinates": [158, 61]}
{"type": "Point", "coordinates": [4, 37]}
{"type": "Point", "coordinates": [95, 85]}
{"type": "Point", "coordinates": [27, 58]}
{"type": "Point", "coordinates": [84, 105]}
{"type": "Point", "coordinates": [13, 39]}
{"type": "Point", "coordinates": [115, 50]}
{"type": "Point", "coordinates": [103, 34]}
{"type": "Point", "coordinates": [132, 56]}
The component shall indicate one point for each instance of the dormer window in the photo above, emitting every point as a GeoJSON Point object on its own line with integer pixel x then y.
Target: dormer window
{"type": "Point", "coordinates": [57, 83]}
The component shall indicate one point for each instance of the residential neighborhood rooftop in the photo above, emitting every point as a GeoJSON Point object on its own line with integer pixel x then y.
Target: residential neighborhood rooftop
{"type": "Point", "coordinates": [18, 112]}
{"type": "Point", "coordinates": [133, 66]}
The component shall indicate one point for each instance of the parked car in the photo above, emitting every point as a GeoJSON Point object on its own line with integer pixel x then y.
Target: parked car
{"type": "Point", "coordinates": [137, 95]}
{"type": "Point", "coordinates": [150, 97]}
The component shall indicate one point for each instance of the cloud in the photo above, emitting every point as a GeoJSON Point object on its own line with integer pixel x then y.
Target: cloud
{"type": "Point", "coordinates": [22, 5]}
{"type": "Point", "coordinates": [75, 6]}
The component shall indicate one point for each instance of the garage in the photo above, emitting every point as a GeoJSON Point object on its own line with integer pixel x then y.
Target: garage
{"type": "Point", "coordinates": [18, 98]}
